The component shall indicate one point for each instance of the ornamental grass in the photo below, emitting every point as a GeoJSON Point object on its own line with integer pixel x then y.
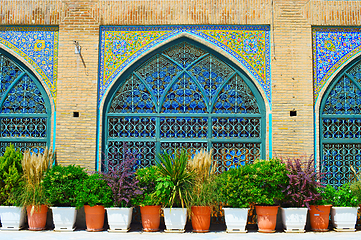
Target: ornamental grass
{"type": "Point", "coordinates": [34, 165]}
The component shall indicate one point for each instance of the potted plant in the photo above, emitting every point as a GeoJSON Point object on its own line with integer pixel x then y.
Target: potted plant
{"type": "Point", "coordinates": [59, 184]}
{"type": "Point", "coordinates": [203, 195]}
{"type": "Point", "coordinates": [94, 194]}
{"type": "Point", "coordinates": [32, 194]}
{"type": "Point", "coordinates": [235, 194]}
{"type": "Point", "coordinates": [151, 199]}
{"type": "Point", "coordinates": [300, 190]}
{"type": "Point", "coordinates": [344, 208]}
{"type": "Point", "coordinates": [177, 181]}
{"type": "Point", "coordinates": [10, 174]}
{"type": "Point", "coordinates": [320, 209]}
{"type": "Point", "coordinates": [124, 186]}
{"type": "Point", "coordinates": [266, 178]}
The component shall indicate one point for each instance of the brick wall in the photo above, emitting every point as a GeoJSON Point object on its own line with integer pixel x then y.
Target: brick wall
{"type": "Point", "coordinates": [291, 63]}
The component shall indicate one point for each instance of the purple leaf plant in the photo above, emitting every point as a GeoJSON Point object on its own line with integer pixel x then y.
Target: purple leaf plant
{"type": "Point", "coordinates": [120, 177]}
{"type": "Point", "coordinates": [303, 183]}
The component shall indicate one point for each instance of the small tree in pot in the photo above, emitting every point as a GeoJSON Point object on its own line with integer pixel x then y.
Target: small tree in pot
{"type": "Point", "coordinates": [299, 192]}
{"type": "Point", "coordinates": [344, 206]}
{"type": "Point", "coordinates": [94, 194]}
{"type": "Point", "coordinates": [152, 198]}
{"type": "Point", "coordinates": [124, 186]}
{"type": "Point", "coordinates": [266, 178]}
{"type": "Point", "coordinates": [60, 189]}
{"type": "Point", "coordinates": [32, 196]}
{"type": "Point", "coordinates": [178, 181]}
{"type": "Point", "coordinates": [235, 194]}
{"type": "Point", "coordinates": [203, 195]}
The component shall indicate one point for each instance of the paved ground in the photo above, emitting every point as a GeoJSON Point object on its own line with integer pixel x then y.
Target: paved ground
{"type": "Point", "coordinates": [50, 235]}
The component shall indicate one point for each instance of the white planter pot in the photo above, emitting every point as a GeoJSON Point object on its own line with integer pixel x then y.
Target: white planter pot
{"type": "Point", "coordinates": [11, 217]}
{"type": "Point", "coordinates": [236, 219]}
{"type": "Point", "coordinates": [344, 218]}
{"type": "Point", "coordinates": [64, 218]}
{"type": "Point", "coordinates": [119, 219]}
{"type": "Point", "coordinates": [175, 219]}
{"type": "Point", "coordinates": [294, 219]}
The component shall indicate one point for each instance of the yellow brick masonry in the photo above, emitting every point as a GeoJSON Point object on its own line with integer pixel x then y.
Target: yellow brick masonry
{"type": "Point", "coordinates": [291, 65]}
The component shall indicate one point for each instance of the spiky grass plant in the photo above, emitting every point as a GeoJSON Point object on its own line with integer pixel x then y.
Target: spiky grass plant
{"type": "Point", "coordinates": [175, 176]}
{"type": "Point", "coordinates": [203, 193]}
{"type": "Point", "coordinates": [34, 165]}
{"type": "Point", "coordinates": [202, 165]}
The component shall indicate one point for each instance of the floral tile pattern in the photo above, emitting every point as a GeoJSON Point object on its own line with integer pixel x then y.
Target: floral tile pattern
{"type": "Point", "coordinates": [332, 47]}
{"type": "Point", "coordinates": [121, 46]}
{"type": "Point", "coordinates": [39, 47]}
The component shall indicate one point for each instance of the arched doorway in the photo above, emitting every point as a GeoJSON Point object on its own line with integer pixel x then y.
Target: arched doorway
{"type": "Point", "coordinates": [340, 126]}
{"type": "Point", "coordinates": [184, 95]}
{"type": "Point", "coordinates": [25, 116]}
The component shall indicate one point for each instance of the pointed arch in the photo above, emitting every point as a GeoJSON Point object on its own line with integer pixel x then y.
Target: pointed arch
{"type": "Point", "coordinates": [340, 125]}
{"type": "Point", "coordinates": [25, 108]}
{"type": "Point", "coordinates": [184, 79]}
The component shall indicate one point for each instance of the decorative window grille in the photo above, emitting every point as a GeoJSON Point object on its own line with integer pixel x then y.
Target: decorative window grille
{"type": "Point", "coordinates": [340, 127]}
{"type": "Point", "coordinates": [185, 96]}
{"type": "Point", "coordinates": [24, 108]}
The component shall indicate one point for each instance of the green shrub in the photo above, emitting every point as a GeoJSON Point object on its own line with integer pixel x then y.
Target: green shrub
{"type": "Point", "coordinates": [342, 197]}
{"type": "Point", "coordinates": [10, 175]}
{"type": "Point", "coordinates": [265, 178]}
{"type": "Point", "coordinates": [94, 191]}
{"type": "Point", "coordinates": [60, 184]}
{"type": "Point", "coordinates": [234, 188]}
{"type": "Point", "coordinates": [148, 178]}
{"type": "Point", "coordinates": [356, 189]}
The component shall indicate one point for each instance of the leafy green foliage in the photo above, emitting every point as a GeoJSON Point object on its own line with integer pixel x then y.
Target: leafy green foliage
{"type": "Point", "coordinates": [342, 197]}
{"type": "Point", "coordinates": [60, 184]}
{"type": "Point", "coordinates": [356, 190]}
{"type": "Point", "coordinates": [265, 180]}
{"type": "Point", "coordinates": [234, 187]}
{"type": "Point", "coordinates": [10, 175]}
{"type": "Point", "coordinates": [176, 181]}
{"type": "Point", "coordinates": [356, 184]}
{"type": "Point", "coordinates": [148, 179]}
{"type": "Point", "coordinates": [94, 191]}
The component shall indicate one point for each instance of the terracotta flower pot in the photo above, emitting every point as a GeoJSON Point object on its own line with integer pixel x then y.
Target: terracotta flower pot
{"type": "Point", "coordinates": [150, 218]}
{"type": "Point", "coordinates": [267, 218]}
{"type": "Point", "coordinates": [201, 218]}
{"type": "Point", "coordinates": [94, 218]}
{"type": "Point", "coordinates": [37, 217]}
{"type": "Point", "coordinates": [319, 217]}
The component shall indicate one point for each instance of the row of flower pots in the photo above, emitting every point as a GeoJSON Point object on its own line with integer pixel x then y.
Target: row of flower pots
{"type": "Point", "coordinates": [119, 219]}
{"type": "Point", "coordinates": [178, 180]}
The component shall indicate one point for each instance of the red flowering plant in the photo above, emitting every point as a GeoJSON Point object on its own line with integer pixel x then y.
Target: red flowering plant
{"type": "Point", "coordinates": [121, 179]}
{"type": "Point", "coordinates": [303, 183]}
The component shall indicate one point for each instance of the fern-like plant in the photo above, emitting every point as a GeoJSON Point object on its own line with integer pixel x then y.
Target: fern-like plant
{"type": "Point", "coordinates": [10, 175]}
